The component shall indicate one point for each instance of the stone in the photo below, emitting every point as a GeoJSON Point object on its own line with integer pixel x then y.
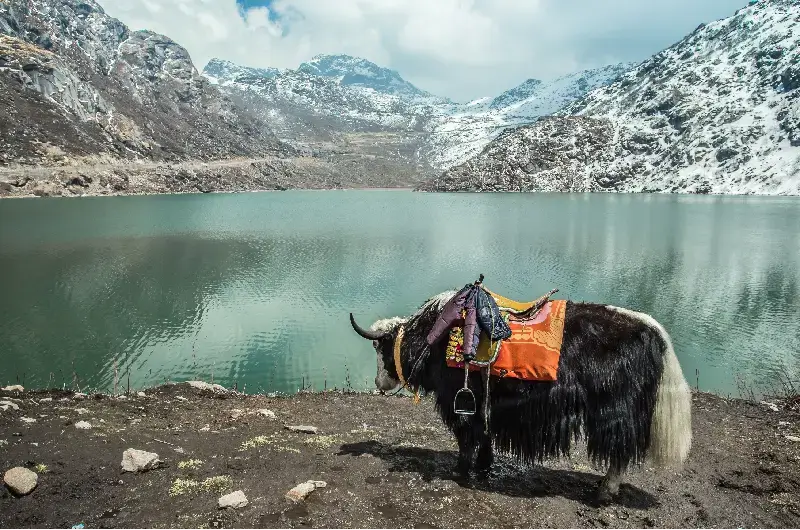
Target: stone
{"type": "Point", "coordinates": [236, 499]}
{"type": "Point", "coordinates": [301, 491]}
{"type": "Point", "coordinates": [236, 414]}
{"type": "Point", "coordinates": [45, 400]}
{"type": "Point", "coordinates": [201, 385]}
{"type": "Point", "coordinates": [793, 438]}
{"type": "Point", "coordinates": [135, 461]}
{"type": "Point", "coordinates": [82, 411]}
{"type": "Point", "coordinates": [308, 429]}
{"type": "Point", "coordinates": [13, 388]}
{"type": "Point", "coordinates": [5, 405]}
{"type": "Point", "coordinates": [267, 414]}
{"type": "Point", "coordinates": [181, 398]}
{"type": "Point", "coordinates": [83, 425]}
{"type": "Point", "coordinates": [28, 420]}
{"type": "Point", "coordinates": [771, 406]}
{"type": "Point", "coordinates": [20, 480]}
{"type": "Point", "coordinates": [79, 395]}
{"type": "Point", "coordinates": [141, 394]}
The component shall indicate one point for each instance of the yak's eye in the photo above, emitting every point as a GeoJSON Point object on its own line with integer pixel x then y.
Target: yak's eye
{"type": "Point", "coordinates": [375, 344]}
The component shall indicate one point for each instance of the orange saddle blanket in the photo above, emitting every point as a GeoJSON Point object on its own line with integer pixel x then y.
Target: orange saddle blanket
{"type": "Point", "coordinates": [531, 353]}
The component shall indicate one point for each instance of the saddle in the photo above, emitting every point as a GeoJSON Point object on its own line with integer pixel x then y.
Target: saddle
{"type": "Point", "coordinates": [511, 331]}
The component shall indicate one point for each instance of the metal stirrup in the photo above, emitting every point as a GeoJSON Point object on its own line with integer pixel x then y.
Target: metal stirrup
{"type": "Point", "coordinates": [467, 408]}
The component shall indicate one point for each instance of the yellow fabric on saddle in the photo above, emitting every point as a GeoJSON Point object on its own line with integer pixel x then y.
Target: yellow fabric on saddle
{"type": "Point", "coordinates": [506, 305]}
{"type": "Point", "coordinates": [531, 353]}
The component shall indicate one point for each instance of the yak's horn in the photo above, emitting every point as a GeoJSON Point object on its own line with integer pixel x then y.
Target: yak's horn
{"type": "Point", "coordinates": [369, 335]}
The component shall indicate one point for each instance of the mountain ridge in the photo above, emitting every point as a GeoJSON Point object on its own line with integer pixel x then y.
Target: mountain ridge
{"type": "Point", "coordinates": [333, 96]}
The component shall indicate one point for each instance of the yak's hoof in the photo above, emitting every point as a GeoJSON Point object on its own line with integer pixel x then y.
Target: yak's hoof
{"type": "Point", "coordinates": [462, 467]}
{"type": "Point", "coordinates": [603, 496]}
{"type": "Point", "coordinates": [484, 463]}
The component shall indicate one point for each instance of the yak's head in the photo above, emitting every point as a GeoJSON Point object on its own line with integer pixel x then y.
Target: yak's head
{"type": "Point", "coordinates": [383, 334]}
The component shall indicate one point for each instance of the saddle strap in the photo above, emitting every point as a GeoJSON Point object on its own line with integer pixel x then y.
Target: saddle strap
{"type": "Point", "coordinates": [486, 376]}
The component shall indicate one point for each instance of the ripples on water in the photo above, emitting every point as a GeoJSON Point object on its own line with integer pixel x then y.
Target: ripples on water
{"type": "Point", "coordinates": [255, 289]}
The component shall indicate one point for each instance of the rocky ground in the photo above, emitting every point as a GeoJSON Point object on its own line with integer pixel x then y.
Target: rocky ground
{"type": "Point", "coordinates": [227, 175]}
{"type": "Point", "coordinates": [384, 462]}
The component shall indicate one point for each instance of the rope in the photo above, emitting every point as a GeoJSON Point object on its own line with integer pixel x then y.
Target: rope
{"type": "Point", "coordinates": [398, 366]}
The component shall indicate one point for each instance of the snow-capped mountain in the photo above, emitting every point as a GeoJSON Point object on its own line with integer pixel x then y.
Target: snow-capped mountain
{"type": "Point", "coordinates": [339, 94]}
{"type": "Point", "coordinates": [219, 71]}
{"type": "Point", "coordinates": [718, 112]}
{"type": "Point", "coordinates": [76, 82]}
{"type": "Point", "coordinates": [357, 72]}
{"type": "Point", "coordinates": [464, 130]}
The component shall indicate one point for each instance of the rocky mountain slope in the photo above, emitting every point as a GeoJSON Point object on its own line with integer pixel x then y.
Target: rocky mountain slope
{"type": "Point", "coordinates": [76, 83]}
{"type": "Point", "coordinates": [341, 104]}
{"type": "Point", "coordinates": [718, 112]}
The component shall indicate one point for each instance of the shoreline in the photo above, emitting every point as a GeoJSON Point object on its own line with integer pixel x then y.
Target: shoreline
{"type": "Point", "coordinates": [385, 461]}
{"type": "Point", "coordinates": [240, 175]}
{"type": "Point", "coordinates": [194, 176]}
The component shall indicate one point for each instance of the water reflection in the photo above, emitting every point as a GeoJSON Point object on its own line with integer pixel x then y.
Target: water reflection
{"type": "Point", "coordinates": [254, 290]}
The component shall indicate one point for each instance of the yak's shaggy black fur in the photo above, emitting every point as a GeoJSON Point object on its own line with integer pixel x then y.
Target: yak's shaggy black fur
{"type": "Point", "coordinates": [608, 376]}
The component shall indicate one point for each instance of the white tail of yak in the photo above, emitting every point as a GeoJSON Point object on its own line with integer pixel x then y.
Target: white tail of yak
{"type": "Point", "coordinates": [671, 428]}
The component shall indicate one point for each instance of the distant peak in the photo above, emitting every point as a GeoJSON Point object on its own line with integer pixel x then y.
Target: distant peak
{"type": "Point", "coordinates": [222, 70]}
{"type": "Point", "coordinates": [356, 71]}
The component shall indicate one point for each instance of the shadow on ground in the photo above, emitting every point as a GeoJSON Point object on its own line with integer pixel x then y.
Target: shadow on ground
{"type": "Point", "coordinates": [506, 477]}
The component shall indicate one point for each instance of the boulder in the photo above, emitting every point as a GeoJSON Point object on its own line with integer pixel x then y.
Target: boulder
{"type": "Point", "coordinates": [13, 388]}
{"type": "Point", "coordinates": [20, 480]}
{"type": "Point", "coordinates": [83, 425]}
{"type": "Point", "coordinates": [135, 461]}
{"type": "Point", "coordinates": [267, 414]}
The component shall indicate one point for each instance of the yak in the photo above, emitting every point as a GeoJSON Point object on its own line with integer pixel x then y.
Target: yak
{"type": "Point", "coordinates": [619, 386]}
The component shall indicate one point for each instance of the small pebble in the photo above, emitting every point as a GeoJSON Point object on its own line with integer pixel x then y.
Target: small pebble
{"type": "Point", "coordinates": [267, 414]}
{"type": "Point", "coordinates": [309, 429]}
{"type": "Point", "coordinates": [301, 491]}
{"type": "Point", "coordinates": [236, 499]}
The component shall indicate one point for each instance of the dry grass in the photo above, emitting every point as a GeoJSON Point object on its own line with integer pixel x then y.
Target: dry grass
{"type": "Point", "coordinates": [22, 50]}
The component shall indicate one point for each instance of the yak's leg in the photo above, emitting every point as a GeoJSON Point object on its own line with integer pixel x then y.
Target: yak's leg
{"type": "Point", "coordinates": [467, 442]}
{"type": "Point", "coordinates": [609, 486]}
{"type": "Point", "coordinates": [485, 454]}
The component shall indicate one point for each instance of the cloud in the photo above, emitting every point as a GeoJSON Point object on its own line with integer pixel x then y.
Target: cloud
{"type": "Point", "coordinates": [458, 48]}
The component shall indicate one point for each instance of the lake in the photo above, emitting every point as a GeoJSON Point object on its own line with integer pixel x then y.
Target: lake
{"type": "Point", "coordinates": [254, 290]}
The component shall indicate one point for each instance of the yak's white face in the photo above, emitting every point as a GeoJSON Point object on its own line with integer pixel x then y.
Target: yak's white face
{"type": "Point", "coordinates": [386, 378]}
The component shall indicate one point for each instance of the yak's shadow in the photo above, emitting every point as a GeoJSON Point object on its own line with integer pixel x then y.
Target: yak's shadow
{"type": "Point", "coordinates": [506, 477]}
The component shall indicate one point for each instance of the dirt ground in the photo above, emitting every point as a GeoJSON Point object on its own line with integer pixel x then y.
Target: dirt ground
{"type": "Point", "coordinates": [387, 463]}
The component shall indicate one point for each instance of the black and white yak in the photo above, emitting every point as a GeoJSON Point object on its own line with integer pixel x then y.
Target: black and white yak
{"type": "Point", "coordinates": [619, 386]}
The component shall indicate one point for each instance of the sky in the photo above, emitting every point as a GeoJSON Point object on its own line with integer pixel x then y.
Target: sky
{"type": "Point", "coordinates": [462, 49]}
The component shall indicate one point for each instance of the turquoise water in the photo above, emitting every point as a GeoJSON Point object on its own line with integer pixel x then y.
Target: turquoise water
{"type": "Point", "coordinates": [254, 290]}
